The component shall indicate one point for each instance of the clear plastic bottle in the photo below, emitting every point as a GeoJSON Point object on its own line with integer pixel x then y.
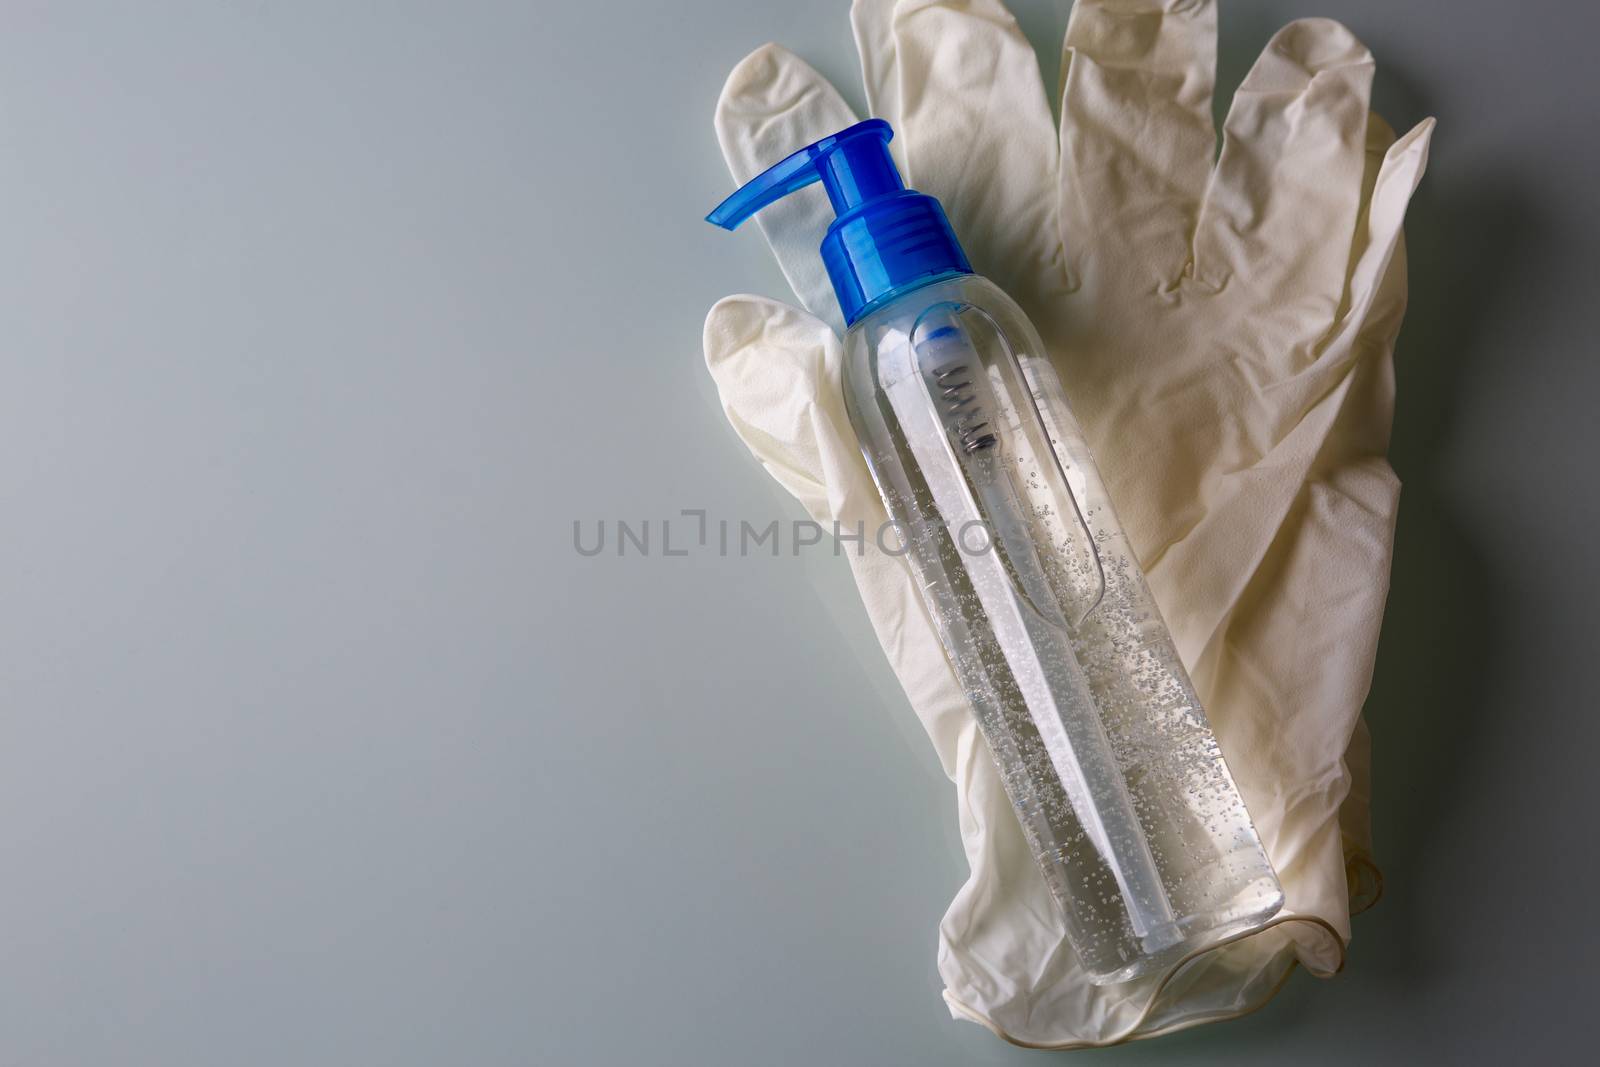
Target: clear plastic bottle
{"type": "Point", "coordinates": [1118, 781]}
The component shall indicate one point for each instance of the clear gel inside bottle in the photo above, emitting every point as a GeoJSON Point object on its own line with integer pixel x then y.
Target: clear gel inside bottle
{"type": "Point", "coordinates": [1115, 775]}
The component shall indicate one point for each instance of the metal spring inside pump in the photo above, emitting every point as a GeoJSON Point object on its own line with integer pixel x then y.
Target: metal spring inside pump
{"type": "Point", "coordinates": [961, 404]}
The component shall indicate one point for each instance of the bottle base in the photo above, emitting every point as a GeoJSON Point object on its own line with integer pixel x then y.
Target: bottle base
{"type": "Point", "coordinates": [1199, 932]}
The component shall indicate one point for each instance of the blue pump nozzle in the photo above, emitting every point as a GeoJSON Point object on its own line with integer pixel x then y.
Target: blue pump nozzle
{"type": "Point", "coordinates": [885, 239]}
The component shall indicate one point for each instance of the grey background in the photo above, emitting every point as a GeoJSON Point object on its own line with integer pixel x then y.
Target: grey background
{"type": "Point", "coordinates": [319, 744]}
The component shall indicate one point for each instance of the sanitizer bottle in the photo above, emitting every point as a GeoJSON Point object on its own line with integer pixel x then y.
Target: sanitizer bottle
{"type": "Point", "coordinates": [1115, 775]}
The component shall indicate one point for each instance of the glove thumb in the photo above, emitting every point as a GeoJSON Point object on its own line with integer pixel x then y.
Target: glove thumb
{"type": "Point", "coordinates": [776, 370]}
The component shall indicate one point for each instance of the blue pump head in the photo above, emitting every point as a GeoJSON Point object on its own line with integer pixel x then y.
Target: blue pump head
{"type": "Point", "coordinates": [884, 239]}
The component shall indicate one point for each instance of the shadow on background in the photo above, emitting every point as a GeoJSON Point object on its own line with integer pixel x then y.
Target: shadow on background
{"type": "Point", "coordinates": [1468, 236]}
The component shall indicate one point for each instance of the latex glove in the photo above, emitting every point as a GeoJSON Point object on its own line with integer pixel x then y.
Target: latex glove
{"type": "Point", "coordinates": [1224, 334]}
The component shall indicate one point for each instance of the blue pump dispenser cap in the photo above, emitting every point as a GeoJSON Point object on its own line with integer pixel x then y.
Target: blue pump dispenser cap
{"type": "Point", "coordinates": [884, 239]}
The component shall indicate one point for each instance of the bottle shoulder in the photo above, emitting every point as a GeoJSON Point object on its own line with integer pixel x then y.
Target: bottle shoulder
{"type": "Point", "coordinates": [908, 306]}
{"type": "Point", "coordinates": [889, 330]}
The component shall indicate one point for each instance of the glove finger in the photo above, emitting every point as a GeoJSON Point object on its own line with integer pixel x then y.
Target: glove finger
{"type": "Point", "coordinates": [960, 84]}
{"type": "Point", "coordinates": [776, 369]}
{"type": "Point", "coordinates": [773, 103]}
{"type": "Point", "coordinates": [1282, 207]}
{"type": "Point", "coordinates": [1375, 293]}
{"type": "Point", "coordinates": [1375, 299]}
{"type": "Point", "coordinates": [872, 23]}
{"type": "Point", "coordinates": [1137, 140]}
